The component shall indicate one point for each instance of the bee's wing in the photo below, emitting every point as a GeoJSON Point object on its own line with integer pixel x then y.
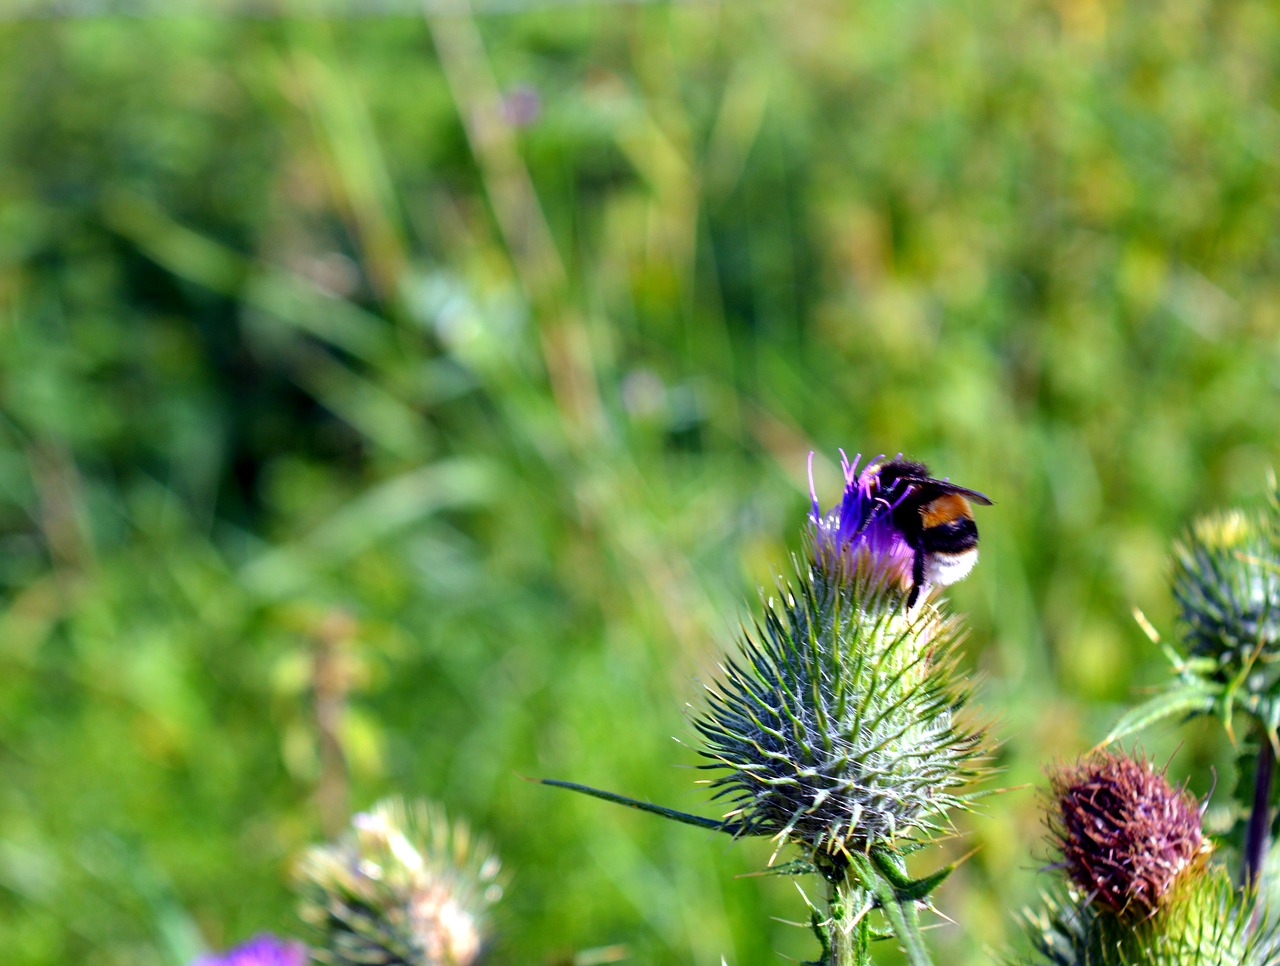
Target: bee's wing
{"type": "Point", "coordinates": [942, 486]}
{"type": "Point", "coordinates": [975, 496]}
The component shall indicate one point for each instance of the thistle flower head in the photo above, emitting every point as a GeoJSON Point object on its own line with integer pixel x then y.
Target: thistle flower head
{"type": "Point", "coordinates": [1126, 836]}
{"type": "Point", "coordinates": [857, 535]}
{"type": "Point", "coordinates": [1226, 581]}
{"type": "Point", "coordinates": [403, 886]}
{"type": "Point", "coordinates": [264, 950]}
{"type": "Point", "coordinates": [837, 728]}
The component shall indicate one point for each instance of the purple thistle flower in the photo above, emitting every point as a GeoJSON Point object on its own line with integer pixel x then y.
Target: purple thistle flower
{"type": "Point", "coordinates": [858, 533]}
{"type": "Point", "coordinates": [264, 950]}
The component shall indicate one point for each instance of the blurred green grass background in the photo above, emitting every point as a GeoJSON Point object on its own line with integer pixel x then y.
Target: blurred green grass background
{"type": "Point", "coordinates": [432, 394]}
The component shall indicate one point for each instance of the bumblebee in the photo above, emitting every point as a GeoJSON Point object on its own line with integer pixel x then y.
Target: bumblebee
{"type": "Point", "coordinates": [934, 518]}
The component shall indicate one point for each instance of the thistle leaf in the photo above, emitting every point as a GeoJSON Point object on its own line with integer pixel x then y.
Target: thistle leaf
{"type": "Point", "coordinates": [715, 825]}
{"type": "Point", "coordinates": [907, 888]}
{"type": "Point", "coordinates": [1184, 698]}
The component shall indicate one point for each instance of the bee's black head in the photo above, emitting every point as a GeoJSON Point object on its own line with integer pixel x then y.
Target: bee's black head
{"type": "Point", "coordinates": [894, 470]}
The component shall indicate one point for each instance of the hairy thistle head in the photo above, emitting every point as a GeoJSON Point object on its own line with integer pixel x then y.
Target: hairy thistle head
{"type": "Point", "coordinates": [265, 950]}
{"type": "Point", "coordinates": [838, 727]}
{"type": "Point", "coordinates": [402, 886]}
{"type": "Point", "coordinates": [1226, 580]}
{"type": "Point", "coordinates": [1124, 833]}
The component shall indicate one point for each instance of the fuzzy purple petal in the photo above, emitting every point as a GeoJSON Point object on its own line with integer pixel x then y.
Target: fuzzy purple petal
{"type": "Point", "coordinates": [860, 526]}
{"type": "Point", "coordinates": [265, 950]}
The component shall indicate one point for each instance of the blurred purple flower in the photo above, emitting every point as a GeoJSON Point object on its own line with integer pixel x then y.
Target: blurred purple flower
{"type": "Point", "coordinates": [858, 532]}
{"type": "Point", "coordinates": [521, 106]}
{"type": "Point", "coordinates": [265, 950]}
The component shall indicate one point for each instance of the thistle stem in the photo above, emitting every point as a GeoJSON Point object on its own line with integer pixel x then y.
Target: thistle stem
{"type": "Point", "coordinates": [1255, 843]}
{"type": "Point", "coordinates": [850, 924]}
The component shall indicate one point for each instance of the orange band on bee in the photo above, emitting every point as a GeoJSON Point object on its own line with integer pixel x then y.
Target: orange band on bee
{"type": "Point", "coordinates": [944, 509]}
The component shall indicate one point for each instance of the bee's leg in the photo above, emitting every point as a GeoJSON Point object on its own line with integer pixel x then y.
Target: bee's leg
{"type": "Point", "coordinates": [917, 578]}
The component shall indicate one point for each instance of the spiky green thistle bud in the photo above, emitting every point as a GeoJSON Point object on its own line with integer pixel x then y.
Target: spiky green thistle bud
{"type": "Point", "coordinates": [838, 728]}
{"type": "Point", "coordinates": [1141, 889]}
{"type": "Point", "coordinates": [403, 887]}
{"type": "Point", "coordinates": [1226, 581]}
{"type": "Point", "coordinates": [1205, 921]}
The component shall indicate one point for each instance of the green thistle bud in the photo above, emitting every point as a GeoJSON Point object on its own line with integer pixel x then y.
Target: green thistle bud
{"type": "Point", "coordinates": [1125, 835]}
{"type": "Point", "coordinates": [1226, 581]}
{"type": "Point", "coordinates": [838, 727]}
{"type": "Point", "coordinates": [402, 887]}
{"type": "Point", "coordinates": [1205, 921]}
